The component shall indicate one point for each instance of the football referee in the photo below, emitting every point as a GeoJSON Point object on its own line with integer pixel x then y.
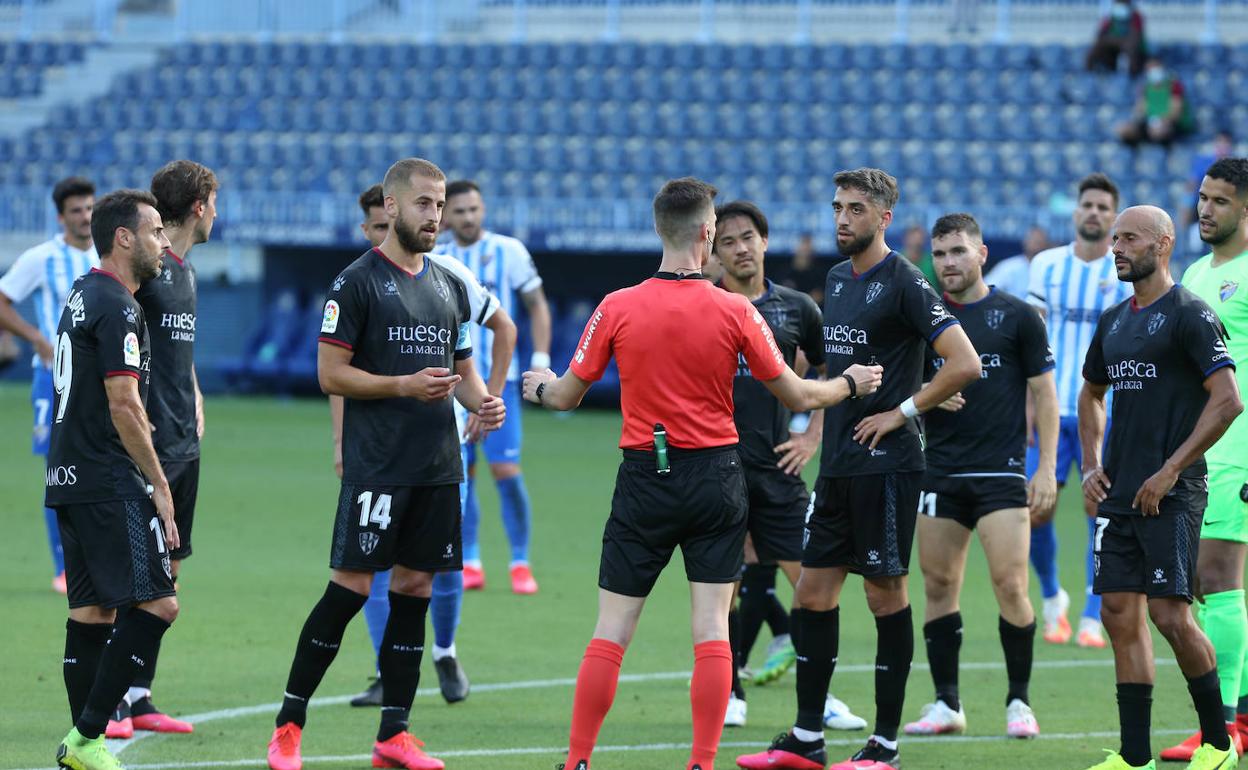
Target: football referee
{"type": "Point", "coordinates": [676, 340]}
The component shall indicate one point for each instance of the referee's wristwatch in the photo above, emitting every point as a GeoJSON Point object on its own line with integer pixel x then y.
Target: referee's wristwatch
{"type": "Point", "coordinates": [541, 386]}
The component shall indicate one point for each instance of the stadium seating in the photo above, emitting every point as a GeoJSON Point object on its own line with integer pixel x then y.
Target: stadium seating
{"type": "Point", "coordinates": [23, 63]}
{"type": "Point", "coordinates": [580, 120]}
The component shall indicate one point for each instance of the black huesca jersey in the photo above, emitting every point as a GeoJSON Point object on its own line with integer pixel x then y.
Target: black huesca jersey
{"type": "Point", "coordinates": [1156, 359]}
{"type": "Point", "coordinates": [396, 323]}
{"type": "Point", "coordinates": [989, 434]}
{"type": "Point", "coordinates": [168, 302]}
{"type": "Point", "coordinates": [887, 316]}
{"type": "Point", "coordinates": [101, 334]}
{"type": "Point", "coordinates": [762, 421]}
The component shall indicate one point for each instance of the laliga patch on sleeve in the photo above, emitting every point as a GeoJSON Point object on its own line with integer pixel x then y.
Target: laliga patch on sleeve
{"type": "Point", "coordinates": [329, 324]}
{"type": "Point", "coordinates": [130, 350]}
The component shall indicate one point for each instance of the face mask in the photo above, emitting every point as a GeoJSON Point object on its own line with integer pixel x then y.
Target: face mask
{"type": "Point", "coordinates": [1156, 74]}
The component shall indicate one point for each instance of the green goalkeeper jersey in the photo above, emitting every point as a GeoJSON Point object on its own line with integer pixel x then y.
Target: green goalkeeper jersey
{"type": "Point", "coordinates": [1225, 289]}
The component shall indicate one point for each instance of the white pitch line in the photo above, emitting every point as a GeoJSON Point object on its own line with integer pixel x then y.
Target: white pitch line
{"type": "Point", "coordinates": [556, 751]}
{"type": "Point", "coordinates": [119, 746]}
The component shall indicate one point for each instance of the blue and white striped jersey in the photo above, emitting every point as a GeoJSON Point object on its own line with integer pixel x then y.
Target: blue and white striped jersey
{"type": "Point", "coordinates": [51, 269]}
{"type": "Point", "coordinates": [504, 266]}
{"type": "Point", "coordinates": [1073, 294]}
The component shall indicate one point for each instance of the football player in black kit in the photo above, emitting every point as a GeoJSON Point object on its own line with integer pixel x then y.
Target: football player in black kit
{"type": "Point", "coordinates": [1163, 352]}
{"type": "Point", "coordinates": [878, 308]}
{"type": "Point", "coordinates": [395, 343]}
{"type": "Point", "coordinates": [773, 457]}
{"type": "Point", "coordinates": [104, 479]}
{"type": "Point", "coordinates": [975, 477]}
{"type": "Point", "coordinates": [186, 197]}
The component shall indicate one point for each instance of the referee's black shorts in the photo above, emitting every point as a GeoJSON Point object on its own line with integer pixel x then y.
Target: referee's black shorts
{"type": "Point", "coordinates": [700, 505]}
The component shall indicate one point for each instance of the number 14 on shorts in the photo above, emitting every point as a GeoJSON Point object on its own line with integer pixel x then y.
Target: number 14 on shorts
{"type": "Point", "coordinates": [371, 513]}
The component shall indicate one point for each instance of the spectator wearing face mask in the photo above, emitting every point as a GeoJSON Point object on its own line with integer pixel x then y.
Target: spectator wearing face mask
{"type": "Point", "coordinates": [1121, 33]}
{"type": "Point", "coordinates": [1162, 112]}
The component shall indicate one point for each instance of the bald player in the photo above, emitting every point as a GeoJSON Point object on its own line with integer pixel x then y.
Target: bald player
{"type": "Point", "coordinates": [1163, 347]}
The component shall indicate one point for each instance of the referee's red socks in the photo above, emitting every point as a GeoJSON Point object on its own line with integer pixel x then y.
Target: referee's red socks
{"type": "Point", "coordinates": [708, 694]}
{"type": "Point", "coordinates": [595, 691]}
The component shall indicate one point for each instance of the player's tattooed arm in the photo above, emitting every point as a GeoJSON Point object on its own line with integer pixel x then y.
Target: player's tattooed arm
{"type": "Point", "coordinates": [1223, 406]}
{"type": "Point", "coordinates": [1042, 488]}
{"type": "Point", "coordinates": [1096, 483]}
{"type": "Point", "coordinates": [129, 416]}
{"type": "Point", "coordinates": [338, 377]}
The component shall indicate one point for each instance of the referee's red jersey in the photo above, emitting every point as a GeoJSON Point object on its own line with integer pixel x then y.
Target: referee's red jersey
{"type": "Point", "coordinates": [676, 342]}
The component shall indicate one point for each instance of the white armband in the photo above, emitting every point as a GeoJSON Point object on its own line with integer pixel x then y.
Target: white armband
{"type": "Point", "coordinates": [539, 361]}
{"type": "Point", "coordinates": [908, 409]}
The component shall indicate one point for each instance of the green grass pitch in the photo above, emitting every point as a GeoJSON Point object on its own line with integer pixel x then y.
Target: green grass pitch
{"type": "Point", "coordinates": [261, 547]}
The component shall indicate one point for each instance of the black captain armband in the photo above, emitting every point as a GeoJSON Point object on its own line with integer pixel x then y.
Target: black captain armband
{"type": "Point", "coordinates": [853, 386]}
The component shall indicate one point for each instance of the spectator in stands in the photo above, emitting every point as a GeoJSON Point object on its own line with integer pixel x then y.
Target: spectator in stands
{"type": "Point", "coordinates": [806, 273]}
{"type": "Point", "coordinates": [1162, 112]}
{"type": "Point", "coordinates": [914, 246]}
{"type": "Point", "coordinates": [1120, 34]}
{"type": "Point", "coordinates": [1010, 274]}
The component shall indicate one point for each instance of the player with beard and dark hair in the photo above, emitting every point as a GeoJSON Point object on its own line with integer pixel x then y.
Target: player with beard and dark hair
{"type": "Point", "coordinates": [773, 457]}
{"type": "Point", "coordinates": [1164, 353]}
{"type": "Point", "coordinates": [186, 197]}
{"type": "Point", "coordinates": [877, 307]}
{"type": "Point", "coordinates": [1220, 278]}
{"type": "Point", "coordinates": [1071, 286]}
{"type": "Point", "coordinates": [394, 343]}
{"type": "Point", "coordinates": [974, 479]}
{"type": "Point", "coordinates": [104, 479]}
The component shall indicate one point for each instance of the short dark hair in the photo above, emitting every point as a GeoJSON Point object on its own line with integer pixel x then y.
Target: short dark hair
{"type": "Point", "coordinates": [678, 202]}
{"type": "Point", "coordinates": [1099, 181]}
{"type": "Point", "coordinates": [461, 186]}
{"type": "Point", "coordinates": [70, 187]}
{"type": "Point", "coordinates": [401, 173]}
{"type": "Point", "coordinates": [960, 222]}
{"type": "Point", "coordinates": [879, 186]}
{"type": "Point", "coordinates": [371, 199]}
{"type": "Point", "coordinates": [1233, 170]}
{"type": "Point", "coordinates": [178, 185]}
{"type": "Point", "coordinates": [743, 209]}
{"type": "Point", "coordinates": [119, 208]}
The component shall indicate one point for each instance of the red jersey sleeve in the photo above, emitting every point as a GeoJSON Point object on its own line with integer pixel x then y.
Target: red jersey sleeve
{"type": "Point", "coordinates": [594, 351]}
{"type": "Point", "coordinates": [759, 345]}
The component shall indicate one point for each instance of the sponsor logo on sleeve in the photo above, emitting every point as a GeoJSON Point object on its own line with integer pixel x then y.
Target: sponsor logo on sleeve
{"type": "Point", "coordinates": [130, 315]}
{"type": "Point", "coordinates": [329, 323]}
{"type": "Point", "coordinates": [939, 314]}
{"type": "Point", "coordinates": [130, 349]}
{"type": "Point", "coordinates": [589, 336]}
{"type": "Point", "coordinates": [77, 307]}
{"type": "Point", "coordinates": [339, 282]}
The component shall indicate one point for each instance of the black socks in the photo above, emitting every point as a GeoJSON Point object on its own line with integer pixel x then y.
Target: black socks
{"type": "Point", "coordinates": [1207, 698]}
{"type": "Point", "coordinates": [894, 651]}
{"type": "Point", "coordinates": [402, 647]}
{"type": "Point", "coordinates": [738, 656]}
{"type": "Point", "coordinates": [944, 641]}
{"type": "Point", "coordinates": [136, 638]}
{"type": "Point", "coordinates": [317, 647]}
{"type": "Point", "coordinates": [1018, 643]}
{"type": "Point", "coordinates": [816, 637]}
{"type": "Point", "coordinates": [84, 644]}
{"type": "Point", "coordinates": [1135, 719]}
